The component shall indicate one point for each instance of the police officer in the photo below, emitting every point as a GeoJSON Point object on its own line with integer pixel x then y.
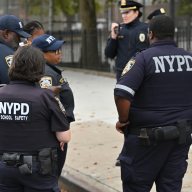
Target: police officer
{"type": "Point", "coordinates": [154, 104]}
{"type": "Point", "coordinates": [127, 38]}
{"type": "Point", "coordinates": [51, 48]}
{"type": "Point", "coordinates": [155, 13]}
{"type": "Point", "coordinates": [34, 28]}
{"type": "Point", "coordinates": [32, 127]}
{"type": "Point", "coordinates": [11, 29]}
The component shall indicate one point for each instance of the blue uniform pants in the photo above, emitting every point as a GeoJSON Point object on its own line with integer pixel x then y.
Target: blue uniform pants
{"type": "Point", "coordinates": [163, 163]}
{"type": "Point", "coordinates": [11, 180]}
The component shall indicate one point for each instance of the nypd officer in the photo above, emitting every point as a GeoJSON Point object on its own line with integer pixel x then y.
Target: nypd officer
{"type": "Point", "coordinates": [51, 48]}
{"type": "Point", "coordinates": [11, 30]}
{"type": "Point", "coordinates": [154, 104]}
{"type": "Point", "coordinates": [32, 128]}
{"type": "Point", "coordinates": [127, 38]}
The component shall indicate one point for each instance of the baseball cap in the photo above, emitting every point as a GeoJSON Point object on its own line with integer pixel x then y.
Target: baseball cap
{"type": "Point", "coordinates": [13, 23]}
{"type": "Point", "coordinates": [47, 42]}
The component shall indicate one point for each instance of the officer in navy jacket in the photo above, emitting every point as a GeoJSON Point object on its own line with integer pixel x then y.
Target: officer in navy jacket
{"type": "Point", "coordinates": [11, 29]}
{"type": "Point", "coordinates": [51, 48]}
{"type": "Point", "coordinates": [127, 38]}
{"type": "Point", "coordinates": [32, 127]}
{"type": "Point", "coordinates": [154, 103]}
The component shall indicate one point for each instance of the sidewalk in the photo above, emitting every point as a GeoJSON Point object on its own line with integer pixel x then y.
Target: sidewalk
{"type": "Point", "coordinates": [95, 143]}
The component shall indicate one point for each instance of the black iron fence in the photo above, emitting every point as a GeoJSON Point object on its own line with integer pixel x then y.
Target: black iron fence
{"type": "Point", "coordinates": [73, 49]}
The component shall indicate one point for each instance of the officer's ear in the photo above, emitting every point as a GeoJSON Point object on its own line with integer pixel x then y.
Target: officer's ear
{"type": "Point", "coordinates": [150, 35]}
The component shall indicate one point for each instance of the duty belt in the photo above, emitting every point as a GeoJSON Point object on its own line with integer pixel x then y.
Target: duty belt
{"type": "Point", "coordinates": [179, 131]}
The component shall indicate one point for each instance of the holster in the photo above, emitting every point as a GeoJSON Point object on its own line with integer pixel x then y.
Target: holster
{"type": "Point", "coordinates": [166, 133]}
{"type": "Point", "coordinates": [24, 163]}
{"type": "Point", "coordinates": [48, 161]}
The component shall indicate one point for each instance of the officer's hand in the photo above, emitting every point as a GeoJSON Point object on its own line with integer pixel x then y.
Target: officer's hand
{"type": "Point", "coordinates": [113, 27]}
{"type": "Point", "coordinates": [121, 126]}
{"type": "Point", "coordinates": [62, 146]}
{"type": "Point", "coordinates": [56, 89]}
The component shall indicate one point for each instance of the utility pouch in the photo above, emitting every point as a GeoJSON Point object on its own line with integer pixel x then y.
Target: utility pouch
{"type": "Point", "coordinates": [11, 159]}
{"type": "Point", "coordinates": [26, 167]}
{"type": "Point", "coordinates": [45, 160]}
{"type": "Point", "coordinates": [166, 133]}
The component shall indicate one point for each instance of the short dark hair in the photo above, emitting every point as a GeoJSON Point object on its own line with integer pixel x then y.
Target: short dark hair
{"type": "Point", "coordinates": [162, 27]}
{"type": "Point", "coordinates": [32, 25]}
{"type": "Point", "coordinates": [28, 64]}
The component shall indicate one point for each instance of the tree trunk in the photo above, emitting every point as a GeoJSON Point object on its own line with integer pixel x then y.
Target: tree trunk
{"type": "Point", "coordinates": [89, 56]}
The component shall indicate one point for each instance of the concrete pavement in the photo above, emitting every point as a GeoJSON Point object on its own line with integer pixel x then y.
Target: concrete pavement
{"type": "Point", "coordinates": [95, 143]}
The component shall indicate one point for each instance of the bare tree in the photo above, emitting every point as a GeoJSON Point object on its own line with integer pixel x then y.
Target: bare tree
{"type": "Point", "coordinates": [89, 55]}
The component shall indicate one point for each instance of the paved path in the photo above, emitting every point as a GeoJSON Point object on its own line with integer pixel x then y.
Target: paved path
{"type": "Point", "coordinates": [95, 143]}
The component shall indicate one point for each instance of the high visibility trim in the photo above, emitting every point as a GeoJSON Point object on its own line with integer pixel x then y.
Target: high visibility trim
{"type": "Point", "coordinates": [125, 88]}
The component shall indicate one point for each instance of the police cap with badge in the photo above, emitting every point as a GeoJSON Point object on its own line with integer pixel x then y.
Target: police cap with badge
{"type": "Point", "coordinates": [126, 5]}
{"type": "Point", "coordinates": [156, 12]}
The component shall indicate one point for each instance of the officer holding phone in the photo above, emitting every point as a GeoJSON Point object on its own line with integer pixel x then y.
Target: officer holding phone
{"type": "Point", "coordinates": [127, 38]}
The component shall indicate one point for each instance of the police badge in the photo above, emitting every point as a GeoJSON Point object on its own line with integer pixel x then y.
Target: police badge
{"type": "Point", "coordinates": [142, 37]}
{"type": "Point", "coordinates": [128, 66]}
{"type": "Point", "coordinates": [9, 59]}
{"type": "Point", "coordinates": [45, 82]}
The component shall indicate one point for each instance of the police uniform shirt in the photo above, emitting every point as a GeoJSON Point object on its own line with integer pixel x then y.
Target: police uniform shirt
{"type": "Point", "coordinates": [131, 39]}
{"type": "Point", "coordinates": [6, 55]}
{"type": "Point", "coordinates": [158, 83]}
{"type": "Point", "coordinates": [29, 117]}
{"type": "Point", "coordinates": [53, 77]}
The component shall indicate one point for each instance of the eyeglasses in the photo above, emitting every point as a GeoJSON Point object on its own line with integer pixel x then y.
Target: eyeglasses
{"type": "Point", "coordinates": [57, 52]}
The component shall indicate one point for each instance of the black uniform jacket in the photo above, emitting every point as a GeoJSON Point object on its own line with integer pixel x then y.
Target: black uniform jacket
{"type": "Point", "coordinates": [131, 39]}
{"type": "Point", "coordinates": [158, 84]}
{"type": "Point", "coordinates": [53, 77]}
{"type": "Point", "coordinates": [6, 55]}
{"type": "Point", "coordinates": [29, 117]}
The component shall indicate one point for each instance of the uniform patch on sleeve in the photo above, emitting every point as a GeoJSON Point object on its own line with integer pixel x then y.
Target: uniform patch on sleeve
{"type": "Point", "coordinates": [9, 60]}
{"type": "Point", "coordinates": [128, 66]}
{"type": "Point", "coordinates": [45, 82]}
{"type": "Point", "coordinates": [142, 37]}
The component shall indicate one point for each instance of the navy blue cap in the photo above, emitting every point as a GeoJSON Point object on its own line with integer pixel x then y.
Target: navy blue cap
{"type": "Point", "coordinates": [129, 5]}
{"type": "Point", "coordinates": [47, 42]}
{"type": "Point", "coordinates": [126, 5]}
{"type": "Point", "coordinates": [156, 12]}
{"type": "Point", "coordinates": [13, 23]}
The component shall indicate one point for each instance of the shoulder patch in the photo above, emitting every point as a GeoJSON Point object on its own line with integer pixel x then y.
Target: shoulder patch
{"type": "Point", "coordinates": [142, 37]}
{"type": "Point", "coordinates": [9, 60]}
{"type": "Point", "coordinates": [45, 82]}
{"type": "Point", "coordinates": [128, 66]}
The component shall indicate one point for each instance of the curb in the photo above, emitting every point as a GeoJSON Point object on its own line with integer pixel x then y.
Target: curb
{"type": "Point", "coordinates": [87, 71]}
{"type": "Point", "coordinates": [83, 183]}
